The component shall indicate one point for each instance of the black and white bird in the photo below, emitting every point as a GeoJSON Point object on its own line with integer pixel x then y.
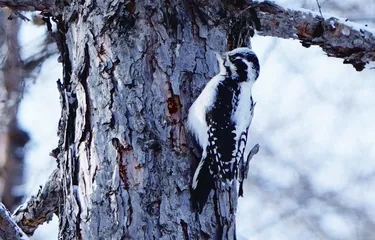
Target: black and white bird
{"type": "Point", "coordinates": [219, 119]}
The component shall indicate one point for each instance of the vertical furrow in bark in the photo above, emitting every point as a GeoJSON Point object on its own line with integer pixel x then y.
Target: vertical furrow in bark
{"type": "Point", "coordinates": [68, 158]}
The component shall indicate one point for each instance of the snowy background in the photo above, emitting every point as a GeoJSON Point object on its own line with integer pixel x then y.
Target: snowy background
{"type": "Point", "coordinates": [39, 114]}
{"type": "Point", "coordinates": [314, 177]}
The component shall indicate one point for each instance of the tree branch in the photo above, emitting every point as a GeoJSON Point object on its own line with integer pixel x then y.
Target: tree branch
{"type": "Point", "coordinates": [8, 228]}
{"type": "Point", "coordinates": [33, 213]}
{"type": "Point", "coordinates": [338, 38]}
{"type": "Point", "coordinates": [27, 5]}
{"type": "Point", "coordinates": [41, 208]}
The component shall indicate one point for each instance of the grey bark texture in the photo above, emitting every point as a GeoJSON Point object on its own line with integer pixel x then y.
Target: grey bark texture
{"type": "Point", "coordinates": [124, 153]}
{"type": "Point", "coordinates": [28, 5]}
{"type": "Point", "coordinates": [40, 208]}
{"type": "Point", "coordinates": [131, 72]}
{"type": "Point", "coordinates": [8, 228]}
{"type": "Point", "coordinates": [337, 37]}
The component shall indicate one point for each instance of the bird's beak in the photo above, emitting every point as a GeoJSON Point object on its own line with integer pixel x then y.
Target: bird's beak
{"type": "Point", "coordinates": [221, 57]}
{"type": "Point", "coordinates": [221, 60]}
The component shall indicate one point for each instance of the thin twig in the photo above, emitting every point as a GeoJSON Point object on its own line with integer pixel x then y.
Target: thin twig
{"type": "Point", "coordinates": [320, 8]}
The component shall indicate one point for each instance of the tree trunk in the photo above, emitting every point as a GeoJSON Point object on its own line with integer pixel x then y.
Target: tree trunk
{"type": "Point", "coordinates": [131, 72]}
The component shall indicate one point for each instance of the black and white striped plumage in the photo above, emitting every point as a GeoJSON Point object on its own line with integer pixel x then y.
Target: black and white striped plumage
{"type": "Point", "coordinates": [219, 119]}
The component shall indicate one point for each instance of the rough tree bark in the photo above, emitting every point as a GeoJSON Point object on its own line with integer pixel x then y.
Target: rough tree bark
{"type": "Point", "coordinates": [9, 229]}
{"type": "Point", "coordinates": [40, 208]}
{"type": "Point", "coordinates": [126, 90]}
{"type": "Point", "coordinates": [131, 71]}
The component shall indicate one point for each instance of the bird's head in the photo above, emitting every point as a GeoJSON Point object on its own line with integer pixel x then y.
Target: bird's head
{"type": "Point", "coordinates": [242, 64]}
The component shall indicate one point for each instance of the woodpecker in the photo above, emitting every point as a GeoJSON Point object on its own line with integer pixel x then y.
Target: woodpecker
{"type": "Point", "coordinates": [220, 118]}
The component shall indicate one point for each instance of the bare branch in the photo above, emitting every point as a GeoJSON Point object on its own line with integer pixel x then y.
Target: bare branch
{"type": "Point", "coordinates": [338, 38]}
{"type": "Point", "coordinates": [40, 209]}
{"type": "Point", "coordinates": [16, 14]}
{"type": "Point", "coordinates": [320, 8]}
{"type": "Point", "coordinates": [8, 228]}
{"type": "Point", "coordinates": [27, 5]}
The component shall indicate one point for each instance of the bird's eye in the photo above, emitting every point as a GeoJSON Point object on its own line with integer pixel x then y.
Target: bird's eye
{"type": "Point", "coordinates": [235, 57]}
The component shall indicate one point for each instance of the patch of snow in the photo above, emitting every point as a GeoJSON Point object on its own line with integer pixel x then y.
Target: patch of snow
{"type": "Point", "coordinates": [345, 31]}
{"type": "Point", "coordinates": [337, 227]}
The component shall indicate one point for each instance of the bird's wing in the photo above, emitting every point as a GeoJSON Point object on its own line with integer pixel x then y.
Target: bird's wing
{"type": "Point", "coordinates": [218, 157]}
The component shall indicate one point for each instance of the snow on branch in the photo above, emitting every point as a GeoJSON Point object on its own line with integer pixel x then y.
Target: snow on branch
{"type": "Point", "coordinates": [40, 208]}
{"type": "Point", "coordinates": [337, 37]}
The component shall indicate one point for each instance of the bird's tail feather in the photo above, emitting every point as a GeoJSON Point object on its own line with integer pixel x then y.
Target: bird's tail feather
{"type": "Point", "coordinates": [203, 183]}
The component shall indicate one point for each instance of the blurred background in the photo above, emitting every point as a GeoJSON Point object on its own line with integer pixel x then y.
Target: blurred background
{"type": "Point", "coordinates": [29, 111]}
{"type": "Point", "coordinates": [314, 177]}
